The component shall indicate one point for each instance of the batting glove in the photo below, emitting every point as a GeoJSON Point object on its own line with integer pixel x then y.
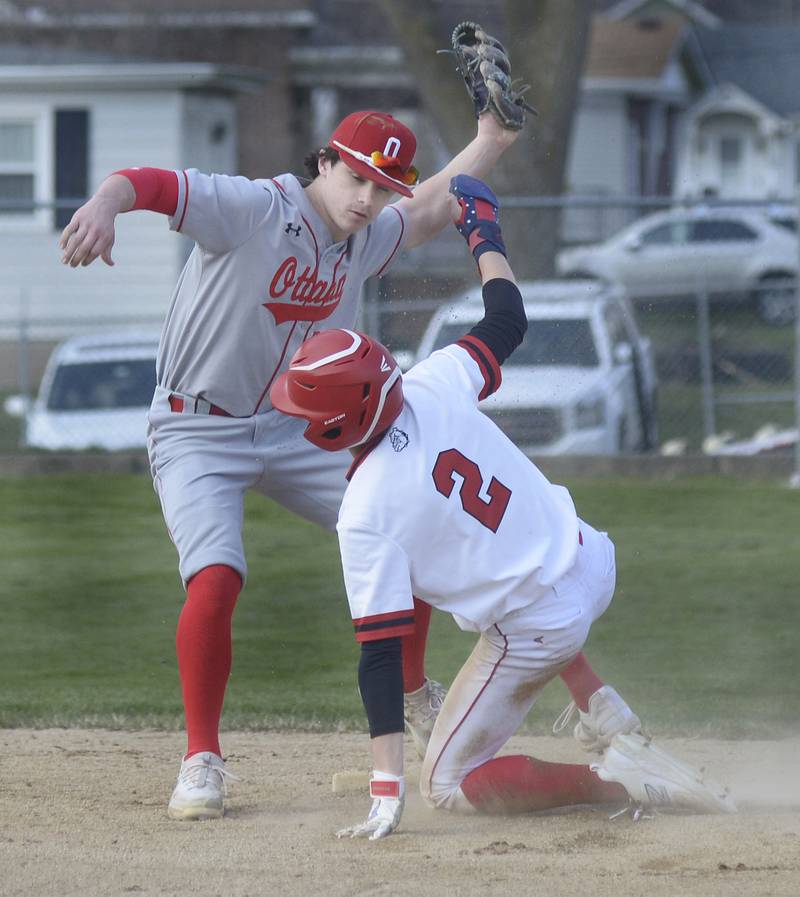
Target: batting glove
{"type": "Point", "coordinates": [388, 793]}
{"type": "Point", "coordinates": [478, 223]}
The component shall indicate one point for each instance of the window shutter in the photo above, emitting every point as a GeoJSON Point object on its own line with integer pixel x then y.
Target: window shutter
{"type": "Point", "coordinates": [71, 159]}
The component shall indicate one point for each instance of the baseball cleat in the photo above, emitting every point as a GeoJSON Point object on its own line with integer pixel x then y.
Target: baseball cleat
{"type": "Point", "coordinates": [656, 780]}
{"type": "Point", "coordinates": [200, 789]}
{"type": "Point", "coordinates": [420, 710]}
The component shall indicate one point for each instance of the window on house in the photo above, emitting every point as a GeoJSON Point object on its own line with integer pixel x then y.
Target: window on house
{"type": "Point", "coordinates": [17, 167]}
{"type": "Point", "coordinates": [71, 160]}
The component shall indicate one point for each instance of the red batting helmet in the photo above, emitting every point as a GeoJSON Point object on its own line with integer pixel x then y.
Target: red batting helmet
{"type": "Point", "coordinates": [345, 384]}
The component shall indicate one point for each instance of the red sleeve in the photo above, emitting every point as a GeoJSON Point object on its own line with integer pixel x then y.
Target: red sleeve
{"type": "Point", "coordinates": [156, 189]}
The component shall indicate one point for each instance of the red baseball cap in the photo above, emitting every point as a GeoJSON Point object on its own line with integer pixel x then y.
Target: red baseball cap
{"type": "Point", "coordinates": [379, 148]}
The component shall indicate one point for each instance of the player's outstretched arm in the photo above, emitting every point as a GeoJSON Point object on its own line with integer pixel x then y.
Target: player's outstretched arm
{"type": "Point", "coordinates": [90, 232]}
{"type": "Point", "coordinates": [428, 212]}
{"type": "Point", "coordinates": [503, 326]}
{"type": "Point", "coordinates": [380, 681]}
{"type": "Point", "coordinates": [499, 105]}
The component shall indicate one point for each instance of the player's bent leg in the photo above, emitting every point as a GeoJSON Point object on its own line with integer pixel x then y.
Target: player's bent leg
{"type": "Point", "coordinates": [491, 696]}
{"type": "Point", "coordinates": [522, 784]}
{"type": "Point", "coordinates": [487, 702]}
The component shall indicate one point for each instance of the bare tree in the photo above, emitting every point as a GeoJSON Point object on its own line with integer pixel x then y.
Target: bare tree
{"type": "Point", "coordinates": [547, 41]}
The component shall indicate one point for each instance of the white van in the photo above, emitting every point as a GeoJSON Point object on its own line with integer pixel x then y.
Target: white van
{"type": "Point", "coordinates": [582, 382]}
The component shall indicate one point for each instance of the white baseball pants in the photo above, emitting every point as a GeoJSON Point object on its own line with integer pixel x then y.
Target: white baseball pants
{"type": "Point", "coordinates": [510, 665]}
{"type": "Point", "coordinates": [202, 466]}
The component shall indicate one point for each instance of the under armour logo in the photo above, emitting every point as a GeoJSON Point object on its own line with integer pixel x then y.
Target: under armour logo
{"type": "Point", "coordinates": [384, 365]}
{"type": "Point", "coordinates": [292, 229]}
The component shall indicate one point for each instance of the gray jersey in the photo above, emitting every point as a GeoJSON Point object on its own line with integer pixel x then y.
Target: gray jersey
{"type": "Point", "coordinates": [264, 275]}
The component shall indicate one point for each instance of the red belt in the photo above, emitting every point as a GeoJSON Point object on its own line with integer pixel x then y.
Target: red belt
{"type": "Point", "coordinates": [181, 406]}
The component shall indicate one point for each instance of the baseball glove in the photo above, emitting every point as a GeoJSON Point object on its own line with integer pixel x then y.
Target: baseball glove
{"type": "Point", "coordinates": [486, 69]}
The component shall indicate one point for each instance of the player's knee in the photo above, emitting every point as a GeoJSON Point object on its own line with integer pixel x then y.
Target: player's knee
{"type": "Point", "coordinates": [440, 793]}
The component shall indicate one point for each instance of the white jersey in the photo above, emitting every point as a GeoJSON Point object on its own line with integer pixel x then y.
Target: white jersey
{"type": "Point", "coordinates": [265, 274]}
{"type": "Point", "coordinates": [446, 508]}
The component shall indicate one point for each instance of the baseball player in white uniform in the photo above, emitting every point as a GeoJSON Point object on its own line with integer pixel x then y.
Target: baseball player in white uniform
{"type": "Point", "coordinates": [275, 261]}
{"type": "Point", "coordinates": [440, 504]}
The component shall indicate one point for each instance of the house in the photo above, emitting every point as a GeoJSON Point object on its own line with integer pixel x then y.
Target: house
{"type": "Point", "coordinates": [638, 83]}
{"type": "Point", "coordinates": [742, 136]}
{"type": "Point", "coordinates": [69, 118]}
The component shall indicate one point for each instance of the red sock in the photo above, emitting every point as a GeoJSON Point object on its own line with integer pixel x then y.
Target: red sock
{"type": "Point", "coordinates": [203, 646]}
{"type": "Point", "coordinates": [522, 784]}
{"type": "Point", "coordinates": [414, 648]}
{"type": "Point", "coordinates": [581, 681]}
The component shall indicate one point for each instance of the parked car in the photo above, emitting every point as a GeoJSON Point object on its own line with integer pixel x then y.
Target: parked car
{"type": "Point", "coordinates": [95, 393]}
{"type": "Point", "coordinates": [734, 253]}
{"type": "Point", "coordinates": [582, 382]}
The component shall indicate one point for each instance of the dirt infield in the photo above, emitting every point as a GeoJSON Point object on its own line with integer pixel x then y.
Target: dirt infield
{"type": "Point", "coordinates": [83, 812]}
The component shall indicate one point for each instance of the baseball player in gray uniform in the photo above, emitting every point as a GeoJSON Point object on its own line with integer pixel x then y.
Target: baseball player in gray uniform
{"type": "Point", "coordinates": [442, 505]}
{"type": "Point", "coordinates": [275, 261]}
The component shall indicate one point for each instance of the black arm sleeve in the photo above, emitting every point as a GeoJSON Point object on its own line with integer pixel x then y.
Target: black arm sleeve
{"type": "Point", "coordinates": [504, 324]}
{"type": "Point", "coordinates": [380, 680]}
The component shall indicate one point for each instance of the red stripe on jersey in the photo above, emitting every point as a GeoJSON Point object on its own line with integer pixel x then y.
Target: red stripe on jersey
{"type": "Point", "coordinates": [382, 618]}
{"type": "Point", "coordinates": [185, 199]}
{"type": "Point", "coordinates": [483, 356]}
{"type": "Point", "coordinates": [377, 626]}
{"type": "Point", "coordinates": [279, 185]}
{"type": "Point", "coordinates": [373, 635]}
{"type": "Point", "coordinates": [396, 245]}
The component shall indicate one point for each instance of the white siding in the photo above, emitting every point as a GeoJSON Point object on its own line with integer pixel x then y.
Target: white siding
{"type": "Point", "coordinates": [597, 151]}
{"type": "Point", "coordinates": [209, 134]}
{"type": "Point", "coordinates": [596, 165]}
{"type": "Point", "coordinates": [127, 128]}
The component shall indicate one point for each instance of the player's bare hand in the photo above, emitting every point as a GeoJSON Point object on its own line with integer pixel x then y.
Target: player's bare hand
{"type": "Point", "coordinates": [383, 819]}
{"type": "Point", "coordinates": [489, 128]}
{"type": "Point", "coordinates": [89, 234]}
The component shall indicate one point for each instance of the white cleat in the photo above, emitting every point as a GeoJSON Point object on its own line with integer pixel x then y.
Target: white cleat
{"type": "Point", "coordinates": [200, 789]}
{"type": "Point", "coordinates": [656, 780]}
{"type": "Point", "coordinates": [420, 710]}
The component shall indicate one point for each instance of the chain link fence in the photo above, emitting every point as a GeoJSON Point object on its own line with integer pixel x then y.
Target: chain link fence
{"type": "Point", "coordinates": [710, 290]}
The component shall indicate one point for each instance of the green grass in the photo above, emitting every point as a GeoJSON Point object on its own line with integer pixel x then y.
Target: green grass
{"type": "Point", "coordinates": [701, 636]}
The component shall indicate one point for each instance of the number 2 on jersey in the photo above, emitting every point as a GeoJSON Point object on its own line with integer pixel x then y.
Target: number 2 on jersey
{"type": "Point", "coordinates": [489, 513]}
